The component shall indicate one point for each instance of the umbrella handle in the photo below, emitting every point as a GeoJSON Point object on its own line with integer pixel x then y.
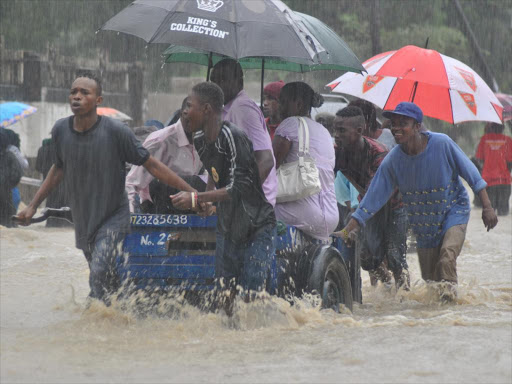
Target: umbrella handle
{"type": "Point", "coordinates": [262, 80]}
{"type": "Point", "coordinates": [210, 65]}
{"type": "Point", "coordinates": [413, 93]}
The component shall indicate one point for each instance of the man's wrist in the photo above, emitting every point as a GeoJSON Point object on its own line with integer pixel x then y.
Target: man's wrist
{"type": "Point", "coordinates": [193, 199]}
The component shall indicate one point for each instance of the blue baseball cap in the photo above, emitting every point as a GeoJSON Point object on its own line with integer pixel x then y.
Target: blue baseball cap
{"type": "Point", "coordinates": [406, 109]}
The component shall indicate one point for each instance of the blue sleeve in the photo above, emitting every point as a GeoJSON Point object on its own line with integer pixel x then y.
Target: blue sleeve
{"type": "Point", "coordinates": [342, 189]}
{"type": "Point", "coordinates": [379, 192]}
{"type": "Point", "coordinates": [466, 168]}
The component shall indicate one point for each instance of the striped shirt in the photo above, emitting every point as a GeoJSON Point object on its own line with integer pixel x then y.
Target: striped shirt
{"type": "Point", "coordinates": [231, 164]}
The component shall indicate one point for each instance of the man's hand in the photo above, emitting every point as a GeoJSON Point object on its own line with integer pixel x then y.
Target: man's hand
{"type": "Point", "coordinates": [349, 233]}
{"type": "Point", "coordinates": [182, 200]}
{"type": "Point", "coordinates": [24, 217]}
{"type": "Point", "coordinates": [206, 209]}
{"type": "Point", "coordinates": [348, 237]}
{"type": "Point", "coordinates": [489, 218]}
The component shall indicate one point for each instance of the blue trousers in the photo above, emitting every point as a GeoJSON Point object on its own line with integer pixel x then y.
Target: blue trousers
{"type": "Point", "coordinates": [16, 198]}
{"type": "Point", "coordinates": [250, 264]}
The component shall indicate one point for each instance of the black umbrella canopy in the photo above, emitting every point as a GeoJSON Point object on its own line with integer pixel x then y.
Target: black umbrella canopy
{"type": "Point", "coordinates": [234, 28]}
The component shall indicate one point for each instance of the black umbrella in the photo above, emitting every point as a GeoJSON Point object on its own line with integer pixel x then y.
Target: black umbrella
{"type": "Point", "coordinates": [233, 28]}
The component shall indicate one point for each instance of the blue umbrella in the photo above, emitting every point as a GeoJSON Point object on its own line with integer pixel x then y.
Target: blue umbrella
{"type": "Point", "coordinates": [13, 111]}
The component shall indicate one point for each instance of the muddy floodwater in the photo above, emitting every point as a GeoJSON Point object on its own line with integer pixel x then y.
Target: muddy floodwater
{"type": "Point", "coordinates": [47, 335]}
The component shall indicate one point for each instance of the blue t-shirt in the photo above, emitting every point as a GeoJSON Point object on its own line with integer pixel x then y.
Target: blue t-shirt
{"type": "Point", "coordinates": [345, 191]}
{"type": "Point", "coordinates": [431, 188]}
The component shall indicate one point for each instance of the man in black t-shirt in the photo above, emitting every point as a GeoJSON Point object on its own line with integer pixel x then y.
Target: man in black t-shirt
{"type": "Point", "coordinates": [90, 156]}
{"type": "Point", "coordinates": [246, 226]}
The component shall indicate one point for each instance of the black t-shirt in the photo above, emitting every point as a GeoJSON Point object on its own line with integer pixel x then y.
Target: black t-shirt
{"type": "Point", "coordinates": [94, 174]}
{"type": "Point", "coordinates": [230, 162]}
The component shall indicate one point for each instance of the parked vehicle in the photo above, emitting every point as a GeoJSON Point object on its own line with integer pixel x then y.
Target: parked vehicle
{"type": "Point", "coordinates": [332, 104]}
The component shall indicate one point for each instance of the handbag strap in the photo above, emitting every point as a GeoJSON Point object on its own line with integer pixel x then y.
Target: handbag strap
{"type": "Point", "coordinates": [303, 141]}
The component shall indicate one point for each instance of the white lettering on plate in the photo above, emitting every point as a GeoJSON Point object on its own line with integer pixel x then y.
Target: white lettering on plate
{"type": "Point", "coordinates": [144, 240]}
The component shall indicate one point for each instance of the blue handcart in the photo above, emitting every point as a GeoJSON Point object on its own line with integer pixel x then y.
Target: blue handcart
{"type": "Point", "coordinates": [177, 252]}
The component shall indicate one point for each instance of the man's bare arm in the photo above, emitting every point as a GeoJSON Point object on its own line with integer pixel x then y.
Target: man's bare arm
{"type": "Point", "coordinates": [265, 162]}
{"type": "Point", "coordinates": [165, 175]}
{"type": "Point", "coordinates": [53, 179]}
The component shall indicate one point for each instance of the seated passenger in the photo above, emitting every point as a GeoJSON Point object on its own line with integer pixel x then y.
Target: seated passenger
{"type": "Point", "coordinates": [316, 215]}
{"type": "Point", "coordinates": [174, 147]}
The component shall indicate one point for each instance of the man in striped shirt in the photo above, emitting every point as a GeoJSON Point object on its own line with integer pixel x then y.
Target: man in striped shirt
{"type": "Point", "coordinates": [246, 225]}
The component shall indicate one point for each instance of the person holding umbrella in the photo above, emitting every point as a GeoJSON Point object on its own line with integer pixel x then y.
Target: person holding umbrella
{"type": "Point", "coordinates": [425, 166]}
{"type": "Point", "coordinates": [243, 112]}
{"type": "Point", "coordinates": [90, 156]}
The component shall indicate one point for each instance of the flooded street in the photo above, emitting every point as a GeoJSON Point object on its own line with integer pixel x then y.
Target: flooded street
{"type": "Point", "coordinates": [48, 336]}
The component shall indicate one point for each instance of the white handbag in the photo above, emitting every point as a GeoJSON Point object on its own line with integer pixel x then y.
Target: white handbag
{"type": "Point", "coordinates": [298, 179]}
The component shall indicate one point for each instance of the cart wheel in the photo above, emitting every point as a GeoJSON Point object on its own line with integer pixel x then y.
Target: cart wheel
{"type": "Point", "coordinates": [329, 278]}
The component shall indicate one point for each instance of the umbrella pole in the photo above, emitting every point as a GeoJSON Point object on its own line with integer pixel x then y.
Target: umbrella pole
{"type": "Point", "coordinates": [262, 79]}
{"type": "Point", "coordinates": [414, 91]}
{"type": "Point", "coordinates": [210, 64]}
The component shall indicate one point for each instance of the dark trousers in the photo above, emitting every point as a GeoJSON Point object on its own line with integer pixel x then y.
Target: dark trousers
{"type": "Point", "coordinates": [248, 265]}
{"type": "Point", "coordinates": [160, 193]}
{"type": "Point", "coordinates": [499, 195]}
{"type": "Point", "coordinates": [384, 237]}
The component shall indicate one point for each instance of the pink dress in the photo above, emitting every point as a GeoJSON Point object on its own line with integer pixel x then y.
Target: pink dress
{"type": "Point", "coordinates": [315, 215]}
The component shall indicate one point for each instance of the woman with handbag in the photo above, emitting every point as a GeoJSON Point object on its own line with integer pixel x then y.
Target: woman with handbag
{"type": "Point", "coordinates": [305, 162]}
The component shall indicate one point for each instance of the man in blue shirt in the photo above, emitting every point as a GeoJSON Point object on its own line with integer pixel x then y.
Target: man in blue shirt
{"type": "Point", "coordinates": [426, 166]}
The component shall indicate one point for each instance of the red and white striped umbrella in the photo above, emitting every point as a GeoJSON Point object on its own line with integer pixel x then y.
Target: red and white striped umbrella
{"type": "Point", "coordinates": [444, 88]}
